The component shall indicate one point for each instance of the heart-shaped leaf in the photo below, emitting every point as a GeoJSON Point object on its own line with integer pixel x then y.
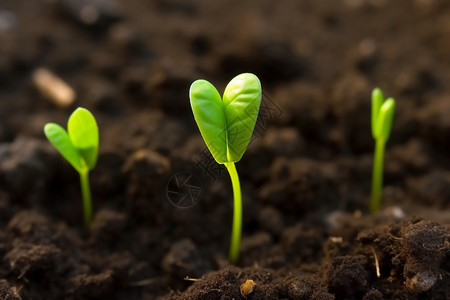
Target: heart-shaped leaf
{"type": "Point", "coordinates": [227, 125]}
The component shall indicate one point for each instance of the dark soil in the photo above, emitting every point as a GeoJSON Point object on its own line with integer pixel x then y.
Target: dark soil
{"type": "Point", "coordinates": [305, 176]}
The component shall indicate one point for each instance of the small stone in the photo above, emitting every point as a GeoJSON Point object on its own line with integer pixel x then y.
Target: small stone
{"type": "Point", "coordinates": [247, 287]}
{"type": "Point", "coordinates": [422, 281]}
{"type": "Point", "coordinates": [425, 244]}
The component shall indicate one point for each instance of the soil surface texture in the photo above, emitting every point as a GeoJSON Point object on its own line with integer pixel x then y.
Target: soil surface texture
{"type": "Point", "coordinates": [162, 206]}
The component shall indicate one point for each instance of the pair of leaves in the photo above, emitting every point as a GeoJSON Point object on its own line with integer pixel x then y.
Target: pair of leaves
{"type": "Point", "coordinates": [79, 144]}
{"type": "Point", "coordinates": [382, 115]}
{"type": "Point", "coordinates": [226, 124]}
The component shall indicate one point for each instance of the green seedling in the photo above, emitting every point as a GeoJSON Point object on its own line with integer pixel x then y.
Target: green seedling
{"type": "Point", "coordinates": [79, 146]}
{"type": "Point", "coordinates": [226, 125]}
{"type": "Point", "coordinates": [382, 117]}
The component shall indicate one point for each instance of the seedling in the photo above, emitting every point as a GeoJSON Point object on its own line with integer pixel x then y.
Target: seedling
{"type": "Point", "coordinates": [382, 117]}
{"type": "Point", "coordinates": [79, 146]}
{"type": "Point", "coordinates": [226, 125]}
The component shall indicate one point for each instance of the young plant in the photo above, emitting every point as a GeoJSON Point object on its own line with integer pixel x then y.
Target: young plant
{"type": "Point", "coordinates": [226, 125]}
{"type": "Point", "coordinates": [382, 117]}
{"type": "Point", "coordinates": [79, 146]}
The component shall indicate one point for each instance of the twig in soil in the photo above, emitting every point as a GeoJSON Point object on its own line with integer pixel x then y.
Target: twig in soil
{"type": "Point", "coordinates": [187, 278]}
{"type": "Point", "coordinates": [336, 239]}
{"type": "Point", "coordinates": [143, 282]}
{"type": "Point", "coordinates": [226, 124]}
{"type": "Point", "coordinates": [22, 275]}
{"type": "Point", "coordinates": [377, 265]}
{"type": "Point", "coordinates": [16, 291]}
{"type": "Point", "coordinates": [394, 237]}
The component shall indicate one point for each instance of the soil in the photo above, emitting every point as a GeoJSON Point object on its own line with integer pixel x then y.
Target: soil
{"type": "Point", "coordinates": [305, 177]}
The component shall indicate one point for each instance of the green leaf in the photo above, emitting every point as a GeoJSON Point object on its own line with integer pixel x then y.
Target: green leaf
{"type": "Point", "coordinates": [377, 101]}
{"type": "Point", "coordinates": [385, 119]}
{"type": "Point", "coordinates": [241, 99]}
{"type": "Point", "coordinates": [83, 132]}
{"type": "Point", "coordinates": [227, 126]}
{"type": "Point", "coordinates": [207, 107]}
{"type": "Point", "coordinates": [61, 141]}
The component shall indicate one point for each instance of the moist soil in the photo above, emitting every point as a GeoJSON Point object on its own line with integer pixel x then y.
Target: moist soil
{"type": "Point", "coordinates": [163, 207]}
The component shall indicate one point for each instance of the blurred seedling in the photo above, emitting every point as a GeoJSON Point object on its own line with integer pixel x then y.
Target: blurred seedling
{"type": "Point", "coordinates": [226, 125]}
{"type": "Point", "coordinates": [79, 146]}
{"type": "Point", "coordinates": [382, 117]}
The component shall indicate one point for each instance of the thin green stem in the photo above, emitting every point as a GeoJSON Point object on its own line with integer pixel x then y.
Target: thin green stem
{"type": "Point", "coordinates": [235, 245]}
{"type": "Point", "coordinates": [86, 193]}
{"type": "Point", "coordinates": [377, 175]}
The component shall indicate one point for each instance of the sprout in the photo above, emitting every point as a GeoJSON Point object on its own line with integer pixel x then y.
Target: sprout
{"type": "Point", "coordinates": [79, 146]}
{"type": "Point", "coordinates": [226, 125]}
{"type": "Point", "coordinates": [382, 116]}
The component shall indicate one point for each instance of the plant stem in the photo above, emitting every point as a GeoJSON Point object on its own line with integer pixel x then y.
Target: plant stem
{"type": "Point", "coordinates": [377, 175]}
{"type": "Point", "coordinates": [86, 193]}
{"type": "Point", "coordinates": [235, 245]}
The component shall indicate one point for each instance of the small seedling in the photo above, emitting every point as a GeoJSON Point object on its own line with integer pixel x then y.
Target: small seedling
{"type": "Point", "coordinates": [382, 117]}
{"type": "Point", "coordinates": [226, 125]}
{"type": "Point", "coordinates": [79, 146]}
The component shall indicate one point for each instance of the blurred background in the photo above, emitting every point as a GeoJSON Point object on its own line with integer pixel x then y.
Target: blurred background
{"type": "Point", "coordinates": [132, 62]}
{"type": "Point", "coordinates": [318, 59]}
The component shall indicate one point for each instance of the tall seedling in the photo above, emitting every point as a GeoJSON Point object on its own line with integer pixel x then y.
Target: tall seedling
{"type": "Point", "coordinates": [226, 125]}
{"type": "Point", "coordinates": [382, 117]}
{"type": "Point", "coordinates": [79, 146]}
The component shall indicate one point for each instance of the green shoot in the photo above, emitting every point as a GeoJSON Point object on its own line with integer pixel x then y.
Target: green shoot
{"type": "Point", "coordinates": [226, 124]}
{"type": "Point", "coordinates": [79, 146]}
{"type": "Point", "coordinates": [382, 117]}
